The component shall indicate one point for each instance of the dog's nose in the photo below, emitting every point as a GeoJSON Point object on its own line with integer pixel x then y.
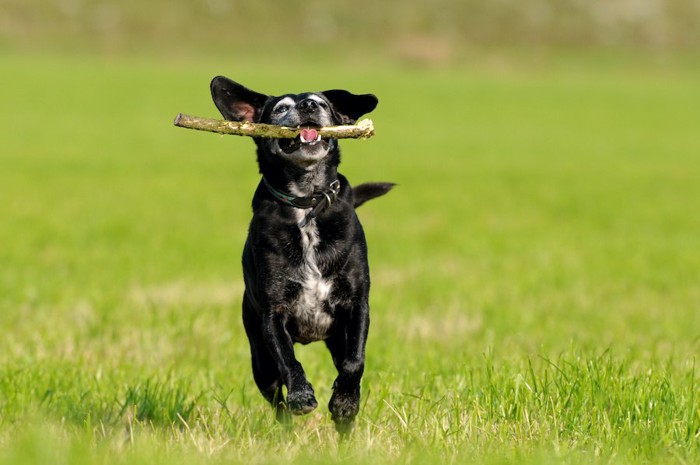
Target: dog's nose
{"type": "Point", "coordinates": [308, 106]}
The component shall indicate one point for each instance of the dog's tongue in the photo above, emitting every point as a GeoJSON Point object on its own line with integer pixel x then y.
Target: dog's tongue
{"type": "Point", "coordinates": [308, 135]}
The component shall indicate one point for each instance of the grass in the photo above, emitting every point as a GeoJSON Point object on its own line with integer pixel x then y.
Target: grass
{"type": "Point", "coordinates": [535, 273]}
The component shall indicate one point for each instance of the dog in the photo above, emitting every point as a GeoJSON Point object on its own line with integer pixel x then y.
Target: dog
{"type": "Point", "coordinates": [305, 259]}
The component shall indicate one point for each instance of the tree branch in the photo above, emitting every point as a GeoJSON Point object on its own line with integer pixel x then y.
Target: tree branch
{"type": "Point", "coordinates": [362, 130]}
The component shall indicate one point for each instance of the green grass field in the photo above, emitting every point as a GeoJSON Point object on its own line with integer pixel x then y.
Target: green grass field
{"type": "Point", "coordinates": [536, 272]}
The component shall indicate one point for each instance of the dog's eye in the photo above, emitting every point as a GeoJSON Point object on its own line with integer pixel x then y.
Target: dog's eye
{"type": "Point", "coordinates": [284, 108]}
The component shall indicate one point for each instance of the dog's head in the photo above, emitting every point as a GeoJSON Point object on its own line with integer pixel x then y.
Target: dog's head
{"type": "Point", "coordinates": [308, 111]}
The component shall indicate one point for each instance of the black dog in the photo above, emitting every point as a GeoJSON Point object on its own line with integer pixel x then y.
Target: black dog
{"type": "Point", "coordinates": [305, 259]}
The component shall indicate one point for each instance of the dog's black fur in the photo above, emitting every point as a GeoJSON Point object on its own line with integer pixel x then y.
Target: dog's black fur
{"type": "Point", "coordinates": [305, 259]}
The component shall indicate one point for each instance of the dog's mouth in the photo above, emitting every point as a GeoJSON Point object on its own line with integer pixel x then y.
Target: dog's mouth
{"type": "Point", "coordinates": [308, 138]}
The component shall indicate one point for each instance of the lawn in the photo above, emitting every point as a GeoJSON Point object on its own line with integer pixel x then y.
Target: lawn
{"type": "Point", "coordinates": [536, 272]}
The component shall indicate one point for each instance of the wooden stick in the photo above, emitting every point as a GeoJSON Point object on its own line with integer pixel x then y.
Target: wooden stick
{"type": "Point", "coordinates": [362, 130]}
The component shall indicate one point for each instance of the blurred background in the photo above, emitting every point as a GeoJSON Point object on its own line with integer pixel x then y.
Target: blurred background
{"type": "Point", "coordinates": [423, 32]}
{"type": "Point", "coordinates": [542, 148]}
{"type": "Point", "coordinates": [533, 140]}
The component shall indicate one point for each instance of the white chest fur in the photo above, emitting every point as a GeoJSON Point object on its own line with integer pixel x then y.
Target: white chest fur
{"type": "Point", "coordinates": [313, 321]}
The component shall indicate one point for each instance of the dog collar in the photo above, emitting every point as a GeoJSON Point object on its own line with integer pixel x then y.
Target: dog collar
{"type": "Point", "coordinates": [318, 201]}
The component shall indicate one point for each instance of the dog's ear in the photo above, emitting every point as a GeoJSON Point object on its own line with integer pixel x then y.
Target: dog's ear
{"type": "Point", "coordinates": [350, 106]}
{"type": "Point", "coordinates": [236, 102]}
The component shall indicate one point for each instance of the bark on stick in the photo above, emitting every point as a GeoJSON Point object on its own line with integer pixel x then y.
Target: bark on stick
{"type": "Point", "coordinates": [362, 130]}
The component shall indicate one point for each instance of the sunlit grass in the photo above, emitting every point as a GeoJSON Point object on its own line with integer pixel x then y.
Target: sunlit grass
{"type": "Point", "coordinates": [534, 273]}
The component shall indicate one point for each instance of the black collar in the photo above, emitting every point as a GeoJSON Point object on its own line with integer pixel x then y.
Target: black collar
{"type": "Point", "coordinates": [318, 201]}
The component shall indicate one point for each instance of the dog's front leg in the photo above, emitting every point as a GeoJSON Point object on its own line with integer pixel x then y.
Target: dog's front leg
{"type": "Point", "coordinates": [300, 394]}
{"type": "Point", "coordinates": [348, 350]}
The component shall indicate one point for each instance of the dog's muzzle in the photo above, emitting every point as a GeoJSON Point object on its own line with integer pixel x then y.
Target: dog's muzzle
{"type": "Point", "coordinates": [308, 141]}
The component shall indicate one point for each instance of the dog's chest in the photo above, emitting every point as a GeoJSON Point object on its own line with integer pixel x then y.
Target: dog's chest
{"type": "Point", "coordinates": [311, 309]}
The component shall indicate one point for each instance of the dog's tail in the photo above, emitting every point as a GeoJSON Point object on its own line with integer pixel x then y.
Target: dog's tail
{"type": "Point", "coordinates": [370, 190]}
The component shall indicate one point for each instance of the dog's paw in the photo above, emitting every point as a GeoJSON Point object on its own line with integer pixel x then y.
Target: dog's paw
{"type": "Point", "coordinates": [344, 407]}
{"type": "Point", "coordinates": [301, 402]}
{"type": "Point", "coordinates": [345, 428]}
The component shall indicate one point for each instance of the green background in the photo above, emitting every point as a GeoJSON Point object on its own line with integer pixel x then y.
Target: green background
{"type": "Point", "coordinates": [535, 272]}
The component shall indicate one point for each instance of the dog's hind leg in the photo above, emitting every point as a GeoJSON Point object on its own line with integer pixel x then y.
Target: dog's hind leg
{"type": "Point", "coordinates": [348, 351]}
